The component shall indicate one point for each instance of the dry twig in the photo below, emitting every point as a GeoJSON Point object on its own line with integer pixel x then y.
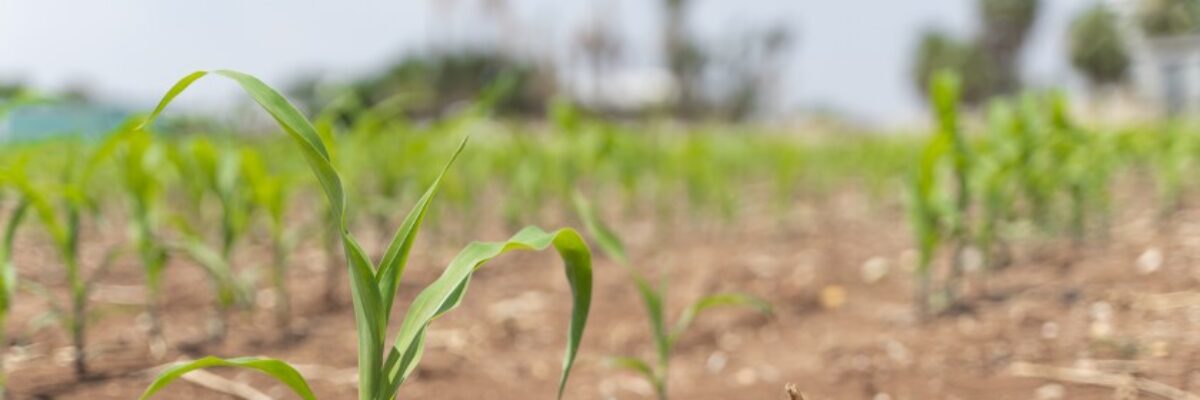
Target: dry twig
{"type": "Point", "coordinates": [793, 392]}
{"type": "Point", "coordinates": [1097, 378]}
{"type": "Point", "coordinates": [211, 381]}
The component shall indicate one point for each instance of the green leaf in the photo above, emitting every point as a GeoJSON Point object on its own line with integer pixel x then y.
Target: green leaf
{"type": "Point", "coordinates": [229, 291]}
{"type": "Point", "coordinates": [652, 299]}
{"type": "Point", "coordinates": [608, 241]}
{"type": "Point", "coordinates": [275, 368]}
{"type": "Point", "coordinates": [288, 117]}
{"type": "Point", "coordinates": [447, 291]}
{"type": "Point", "coordinates": [636, 365]}
{"type": "Point", "coordinates": [8, 272]}
{"type": "Point", "coordinates": [370, 320]}
{"type": "Point", "coordinates": [391, 267]}
{"type": "Point", "coordinates": [713, 301]}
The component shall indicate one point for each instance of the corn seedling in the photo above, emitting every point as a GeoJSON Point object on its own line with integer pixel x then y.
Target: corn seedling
{"type": "Point", "coordinates": [382, 370]}
{"type": "Point", "coordinates": [217, 172]}
{"type": "Point", "coordinates": [270, 194]}
{"type": "Point", "coordinates": [8, 284]}
{"type": "Point", "coordinates": [653, 299]}
{"type": "Point", "coordinates": [139, 159]}
{"type": "Point", "coordinates": [60, 210]}
{"type": "Point", "coordinates": [935, 218]}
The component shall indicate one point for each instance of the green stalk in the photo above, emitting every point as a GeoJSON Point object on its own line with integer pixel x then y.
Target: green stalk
{"type": "Point", "coordinates": [283, 303]}
{"type": "Point", "coordinates": [382, 370]}
{"type": "Point", "coordinates": [8, 285]}
{"type": "Point", "coordinates": [654, 301]}
{"type": "Point", "coordinates": [79, 321]}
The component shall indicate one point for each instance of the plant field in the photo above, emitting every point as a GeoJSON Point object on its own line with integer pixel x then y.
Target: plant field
{"type": "Point", "coordinates": [1016, 252]}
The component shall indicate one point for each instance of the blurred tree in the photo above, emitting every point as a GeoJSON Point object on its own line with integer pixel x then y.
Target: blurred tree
{"type": "Point", "coordinates": [685, 59]}
{"type": "Point", "coordinates": [1168, 17]}
{"type": "Point", "coordinates": [601, 47]}
{"type": "Point", "coordinates": [751, 71]}
{"type": "Point", "coordinates": [431, 84]}
{"type": "Point", "coordinates": [1097, 49]}
{"type": "Point", "coordinates": [1006, 25]}
{"type": "Point", "coordinates": [990, 64]}
{"type": "Point", "coordinates": [10, 89]}
{"type": "Point", "coordinates": [939, 51]}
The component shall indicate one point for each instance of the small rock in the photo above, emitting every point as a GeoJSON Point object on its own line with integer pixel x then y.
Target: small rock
{"type": "Point", "coordinates": [716, 362]}
{"type": "Point", "coordinates": [898, 352]}
{"type": "Point", "coordinates": [972, 259]}
{"type": "Point", "coordinates": [746, 377]}
{"type": "Point", "coordinates": [1102, 316]}
{"type": "Point", "coordinates": [1150, 261]}
{"type": "Point", "coordinates": [1050, 330]}
{"type": "Point", "coordinates": [875, 269]}
{"type": "Point", "coordinates": [1051, 391]}
{"type": "Point", "coordinates": [265, 299]}
{"type": "Point", "coordinates": [833, 297]}
{"type": "Point", "coordinates": [1160, 349]}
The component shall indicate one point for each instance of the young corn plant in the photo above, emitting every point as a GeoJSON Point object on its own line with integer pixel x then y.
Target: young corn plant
{"type": "Point", "coordinates": [934, 218]}
{"type": "Point", "coordinates": [995, 176]}
{"type": "Point", "coordinates": [60, 210]}
{"type": "Point", "coordinates": [8, 283]}
{"type": "Point", "coordinates": [1171, 164]}
{"type": "Point", "coordinates": [207, 169]}
{"type": "Point", "coordinates": [270, 194]}
{"type": "Point", "coordinates": [946, 92]}
{"type": "Point", "coordinates": [139, 159]}
{"type": "Point", "coordinates": [653, 299]}
{"type": "Point", "coordinates": [383, 368]}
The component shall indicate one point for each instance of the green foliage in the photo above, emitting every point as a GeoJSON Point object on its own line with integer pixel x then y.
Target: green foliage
{"type": "Point", "coordinates": [654, 301]}
{"type": "Point", "coordinates": [939, 211]}
{"type": "Point", "coordinates": [139, 159]}
{"type": "Point", "coordinates": [987, 62]}
{"type": "Point", "coordinates": [938, 51]}
{"type": "Point", "coordinates": [1097, 47]}
{"type": "Point", "coordinates": [383, 370]}
{"type": "Point", "coordinates": [1159, 18]}
{"type": "Point", "coordinates": [8, 279]}
{"type": "Point", "coordinates": [275, 368]}
{"type": "Point", "coordinates": [60, 208]}
{"type": "Point", "coordinates": [1006, 23]}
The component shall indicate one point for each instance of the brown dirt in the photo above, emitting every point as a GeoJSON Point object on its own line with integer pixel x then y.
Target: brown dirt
{"type": "Point", "coordinates": [1056, 305]}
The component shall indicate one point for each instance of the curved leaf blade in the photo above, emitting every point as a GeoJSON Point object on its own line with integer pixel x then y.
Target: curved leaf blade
{"type": "Point", "coordinates": [447, 291]}
{"type": "Point", "coordinates": [395, 258]}
{"type": "Point", "coordinates": [636, 365]}
{"type": "Point", "coordinates": [369, 316]}
{"type": "Point", "coordinates": [714, 301]}
{"type": "Point", "coordinates": [279, 370]}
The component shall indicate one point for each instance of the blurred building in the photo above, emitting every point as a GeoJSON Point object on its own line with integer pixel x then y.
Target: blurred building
{"type": "Point", "coordinates": [46, 120]}
{"type": "Point", "coordinates": [1166, 69]}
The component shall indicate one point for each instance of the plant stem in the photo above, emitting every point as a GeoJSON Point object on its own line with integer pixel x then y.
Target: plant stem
{"type": "Point", "coordinates": [333, 271]}
{"type": "Point", "coordinates": [78, 321]}
{"type": "Point", "coordinates": [3, 355]}
{"type": "Point", "coordinates": [283, 307]}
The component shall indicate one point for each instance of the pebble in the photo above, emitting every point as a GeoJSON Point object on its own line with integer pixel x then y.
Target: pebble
{"type": "Point", "coordinates": [875, 269]}
{"type": "Point", "coordinates": [746, 377]}
{"type": "Point", "coordinates": [716, 362]}
{"type": "Point", "coordinates": [1102, 315]}
{"type": "Point", "coordinates": [833, 297]}
{"type": "Point", "coordinates": [1051, 391]}
{"type": "Point", "coordinates": [1150, 261]}
{"type": "Point", "coordinates": [1050, 330]}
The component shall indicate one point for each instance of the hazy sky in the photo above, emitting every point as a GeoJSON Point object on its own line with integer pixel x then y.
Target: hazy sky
{"type": "Point", "coordinates": [852, 55]}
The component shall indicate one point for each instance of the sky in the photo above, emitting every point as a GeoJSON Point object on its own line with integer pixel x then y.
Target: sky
{"type": "Point", "coordinates": [851, 55]}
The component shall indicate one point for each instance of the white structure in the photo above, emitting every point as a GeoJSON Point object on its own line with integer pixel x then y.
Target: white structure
{"type": "Point", "coordinates": [1165, 70]}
